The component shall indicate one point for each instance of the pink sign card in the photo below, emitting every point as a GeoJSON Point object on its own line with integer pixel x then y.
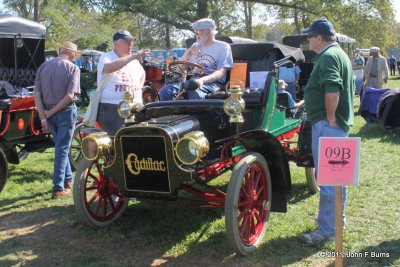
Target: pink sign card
{"type": "Point", "coordinates": [339, 160]}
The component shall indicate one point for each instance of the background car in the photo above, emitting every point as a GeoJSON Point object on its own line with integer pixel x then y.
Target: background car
{"type": "Point", "coordinates": [22, 45]}
{"type": "Point", "coordinates": [301, 41]}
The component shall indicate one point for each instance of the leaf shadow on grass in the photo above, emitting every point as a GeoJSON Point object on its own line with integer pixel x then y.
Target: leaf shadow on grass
{"type": "Point", "coordinates": [22, 175]}
{"type": "Point", "coordinates": [391, 247]}
{"type": "Point", "coordinates": [298, 194]}
{"type": "Point", "coordinates": [25, 200]}
{"type": "Point", "coordinates": [52, 237]}
{"type": "Point", "coordinates": [171, 225]}
{"type": "Point", "coordinates": [276, 252]}
{"type": "Point", "coordinates": [143, 236]}
{"type": "Point", "coordinates": [373, 131]}
{"type": "Point", "coordinates": [384, 254]}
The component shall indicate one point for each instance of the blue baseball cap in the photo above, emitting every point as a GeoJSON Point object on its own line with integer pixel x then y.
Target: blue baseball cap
{"type": "Point", "coordinates": [321, 26]}
{"type": "Point", "coordinates": [123, 34]}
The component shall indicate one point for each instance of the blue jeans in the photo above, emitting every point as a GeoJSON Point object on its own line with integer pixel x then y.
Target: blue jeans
{"type": "Point", "coordinates": [62, 125]}
{"type": "Point", "coordinates": [291, 89]}
{"type": "Point", "coordinates": [108, 118]}
{"type": "Point", "coordinates": [359, 84]}
{"type": "Point", "coordinates": [326, 215]}
{"type": "Point", "coordinates": [170, 91]}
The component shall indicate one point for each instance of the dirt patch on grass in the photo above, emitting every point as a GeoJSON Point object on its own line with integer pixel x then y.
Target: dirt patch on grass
{"type": "Point", "coordinates": [53, 236]}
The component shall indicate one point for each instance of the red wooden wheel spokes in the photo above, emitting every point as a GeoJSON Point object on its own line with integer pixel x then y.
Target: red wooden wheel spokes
{"type": "Point", "coordinates": [102, 197]}
{"type": "Point", "coordinates": [252, 206]}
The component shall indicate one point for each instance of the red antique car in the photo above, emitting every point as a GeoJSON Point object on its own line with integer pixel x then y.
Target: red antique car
{"type": "Point", "coordinates": [21, 53]}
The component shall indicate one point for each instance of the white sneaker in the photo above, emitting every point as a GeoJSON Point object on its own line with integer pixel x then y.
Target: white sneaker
{"type": "Point", "coordinates": [316, 236]}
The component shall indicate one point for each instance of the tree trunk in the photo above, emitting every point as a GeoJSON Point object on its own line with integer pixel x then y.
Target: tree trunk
{"type": "Point", "coordinates": [202, 9]}
{"type": "Point", "coordinates": [248, 17]}
{"type": "Point", "coordinates": [36, 10]}
{"type": "Point", "coordinates": [167, 37]}
{"type": "Point", "coordinates": [139, 30]}
{"type": "Point", "coordinates": [296, 21]}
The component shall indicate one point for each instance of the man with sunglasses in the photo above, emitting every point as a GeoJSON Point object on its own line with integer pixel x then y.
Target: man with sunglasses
{"type": "Point", "coordinates": [120, 70]}
{"type": "Point", "coordinates": [329, 105]}
{"type": "Point", "coordinates": [215, 56]}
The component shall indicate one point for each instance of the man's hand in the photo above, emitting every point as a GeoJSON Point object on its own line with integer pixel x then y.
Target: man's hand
{"type": "Point", "coordinates": [200, 82]}
{"type": "Point", "coordinates": [194, 50]}
{"type": "Point", "coordinates": [332, 122]}
{"type": "Point", "coordinates": [45, 126]}
{"type": "Point", "coordinates": [142, 53]}
{"type": "Point", "coordinates": [385, 80]}
{"type": "Point", "coordinates": [47, 114]}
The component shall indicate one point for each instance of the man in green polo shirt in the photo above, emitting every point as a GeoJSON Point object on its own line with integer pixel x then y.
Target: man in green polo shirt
{"type": "Point", "coordinates": [329, 106]}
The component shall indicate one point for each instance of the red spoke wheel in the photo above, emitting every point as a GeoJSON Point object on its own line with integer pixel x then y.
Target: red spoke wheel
{"type": "Point", "coordinates": [311, 177]}
{"type": "Point", "coordinates": [97, 198]}
{"type": "Point", "coordinates": [248, 203]}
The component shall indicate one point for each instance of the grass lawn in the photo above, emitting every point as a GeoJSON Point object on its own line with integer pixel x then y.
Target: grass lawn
{"type": "Point", "coordinates": [37, 231]}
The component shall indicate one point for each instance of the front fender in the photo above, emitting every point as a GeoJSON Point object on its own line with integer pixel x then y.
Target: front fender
{"type": "Point", "coordinates": [269, 146]}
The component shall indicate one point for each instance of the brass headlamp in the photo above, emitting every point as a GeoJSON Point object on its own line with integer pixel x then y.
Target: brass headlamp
{"type": "Point", "coordinates": [192, 147]}
{"type": "Point", "coordinates": [234, 105]}
{"type": "Point", "coordinates": [95, 145]}
{"type": "Point", "coordinates": [127, 108]}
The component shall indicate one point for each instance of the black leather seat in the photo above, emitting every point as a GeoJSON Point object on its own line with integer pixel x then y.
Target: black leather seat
{"type": "Point", "coordinates": [251, 97]}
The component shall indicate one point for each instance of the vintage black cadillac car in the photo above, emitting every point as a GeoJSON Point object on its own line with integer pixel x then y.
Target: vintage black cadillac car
{"type": "Point", "coordinates": [21, 53]}
{"type": "Point", "coordinates": [172, 147]}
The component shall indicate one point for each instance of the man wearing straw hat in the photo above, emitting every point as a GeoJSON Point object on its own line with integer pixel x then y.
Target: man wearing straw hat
{"type": "Point", "coordinates": [57, 82]}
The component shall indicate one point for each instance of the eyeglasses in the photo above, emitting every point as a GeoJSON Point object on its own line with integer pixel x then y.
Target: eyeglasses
{"type": "Point", "coordinates": [129, 43]}
{"type": "Point", "coordinates": [311, 35]}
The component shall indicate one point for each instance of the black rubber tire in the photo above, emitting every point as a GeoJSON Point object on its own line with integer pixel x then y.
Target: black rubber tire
{"type": "Point", "coordinates": [3, 170]}
{"type": "Point", "coordinates": [75, 153]}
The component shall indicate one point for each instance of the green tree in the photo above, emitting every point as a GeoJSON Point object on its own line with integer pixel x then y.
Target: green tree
{"type": "Point", "coordinates": [159, 23]}
{"type": "Point", "coordinates": [367, 21]}
{"type": "Point", "coordinates": [24, 8]}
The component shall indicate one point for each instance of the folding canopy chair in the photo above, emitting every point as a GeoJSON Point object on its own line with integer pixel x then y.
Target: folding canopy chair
{"type": "Point", "coordinates": [369, 104]}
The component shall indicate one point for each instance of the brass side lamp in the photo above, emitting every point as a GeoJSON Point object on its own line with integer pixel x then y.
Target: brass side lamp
{"type": "Point", "coordinates": [234, 105]}
{"type": "Point", "coordinates": [127, 108]}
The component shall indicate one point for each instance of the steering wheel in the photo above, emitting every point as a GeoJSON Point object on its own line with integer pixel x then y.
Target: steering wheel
{"type": "Point", "coordinates": [187, 68]}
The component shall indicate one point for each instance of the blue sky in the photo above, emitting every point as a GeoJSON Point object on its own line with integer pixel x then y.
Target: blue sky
{"type": "Point", "coordinates": [396, 5]}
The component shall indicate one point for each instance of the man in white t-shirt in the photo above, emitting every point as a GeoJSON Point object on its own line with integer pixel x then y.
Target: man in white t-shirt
{"type": "Point", "coordinates": [123, 72]}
